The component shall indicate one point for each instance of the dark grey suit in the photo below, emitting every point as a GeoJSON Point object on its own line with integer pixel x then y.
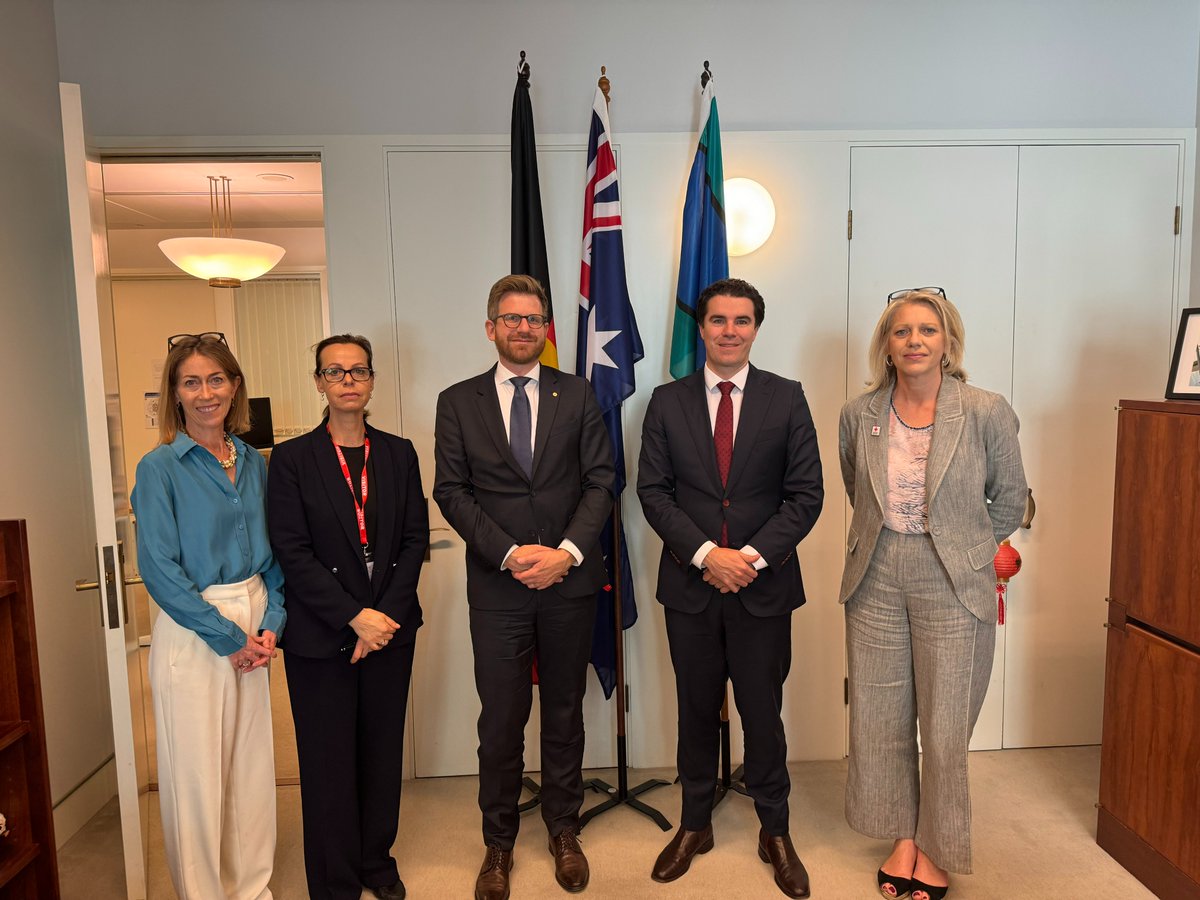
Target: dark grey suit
{"type": "Point", "coordinates": [770, 501]}
{"type": "Point", "coordinates": [488, 499]}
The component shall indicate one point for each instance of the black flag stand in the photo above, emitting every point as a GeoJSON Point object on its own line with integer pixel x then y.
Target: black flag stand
{"type": "Point", "coordinates": [730, 780]}
{"type": "Point", "coordinates": [622, 794]}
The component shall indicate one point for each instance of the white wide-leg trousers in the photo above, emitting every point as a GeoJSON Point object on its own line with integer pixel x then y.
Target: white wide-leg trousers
{"type": "Point", "coordinates": [216, 767]}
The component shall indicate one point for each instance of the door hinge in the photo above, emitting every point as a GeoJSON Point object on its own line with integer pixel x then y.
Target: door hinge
{"type": "Point", "coordinates": [1178, 219]}
{"type": "Point", "coordinates": [849, 224]}
{"type": "Point", "coordinates": [846, 691]}
{"type": "Point", "coordinates": [627, 699]}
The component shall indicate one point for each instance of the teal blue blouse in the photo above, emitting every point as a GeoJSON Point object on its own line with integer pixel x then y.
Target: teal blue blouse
{"type": "Point", "coordinates": [196, 529]}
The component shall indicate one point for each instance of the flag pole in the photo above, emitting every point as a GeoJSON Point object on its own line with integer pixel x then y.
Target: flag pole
{"type": "Point", "coordinates": [621, 795]}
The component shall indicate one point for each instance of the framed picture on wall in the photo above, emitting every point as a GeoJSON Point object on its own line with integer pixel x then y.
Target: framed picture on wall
{"type": "Point", "coordinates": [1184, 380]}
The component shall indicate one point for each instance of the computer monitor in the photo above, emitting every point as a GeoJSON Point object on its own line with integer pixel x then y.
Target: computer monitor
{"type": "Point", "coordinates": [262, 432]}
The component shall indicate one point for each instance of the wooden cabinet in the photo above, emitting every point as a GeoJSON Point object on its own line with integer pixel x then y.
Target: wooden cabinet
{"type": "Point", "coordinates": [1150, 756]}
{"type": "Point", "coordinates": [28, 870]}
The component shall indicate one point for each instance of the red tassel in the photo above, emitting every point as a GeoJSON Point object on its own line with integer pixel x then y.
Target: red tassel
{"type": "Point", "coordinates": [1000, 590]}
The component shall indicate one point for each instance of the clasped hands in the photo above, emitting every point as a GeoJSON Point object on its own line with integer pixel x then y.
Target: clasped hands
{"type": "Point", "coordinates": [729, 570]}
{"type": "Point", "coordinates": [374, 630]}
{"type": "Point", "coordinates": [259, 650]}
{"type": "Point", "coordinates": [537, 567]}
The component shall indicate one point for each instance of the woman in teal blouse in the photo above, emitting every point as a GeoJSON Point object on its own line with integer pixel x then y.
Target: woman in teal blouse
{"type": "Point", "coordinates": [205, 558]}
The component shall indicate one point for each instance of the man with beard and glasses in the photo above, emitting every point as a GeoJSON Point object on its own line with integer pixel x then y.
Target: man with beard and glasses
{"type": "Point", "coordinates": [525, 475]}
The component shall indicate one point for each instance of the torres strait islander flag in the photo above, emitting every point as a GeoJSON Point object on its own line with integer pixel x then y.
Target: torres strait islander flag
{"type": "Point", "coordinates": [608, 344]}
{"type": "Point", "coordinates": [703, 257]}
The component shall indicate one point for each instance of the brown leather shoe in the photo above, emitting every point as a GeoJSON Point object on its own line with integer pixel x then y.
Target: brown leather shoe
{"type": "Point", "coordinates": [676, 857]}
{"type": "Point", "coordinates": [492, 883]}
{"type": "Point", "coordinates": [570, 865]}
{"type": "Point", "coordinates": [790, 874]}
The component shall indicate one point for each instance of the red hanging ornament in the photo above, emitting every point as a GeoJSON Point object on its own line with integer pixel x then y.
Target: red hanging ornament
{"type": "Point", "coordinates": [1007, 564]}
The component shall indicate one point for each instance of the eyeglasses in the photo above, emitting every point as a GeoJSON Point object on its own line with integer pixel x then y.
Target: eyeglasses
{"type": "Point", "coordinates": [513, 320]}
{"type": "Point", "coordinates": [198, 338]}
{"type": "Point", "coordinates": [336, 374]}
{"type": "Point", "coordinates": [896, 295]}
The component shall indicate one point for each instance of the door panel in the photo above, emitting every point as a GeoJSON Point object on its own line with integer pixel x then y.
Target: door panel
{"type": "Point", "coordinates": [1096, 257]}
{"type": "Point", "coordinates": [463, 238]}
{"type": "Point", "coordinates": [942, 216]}
{"type": "Point", "coordinates": [110, 493]}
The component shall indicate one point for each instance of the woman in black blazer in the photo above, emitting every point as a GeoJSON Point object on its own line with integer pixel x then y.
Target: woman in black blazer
{"type": "Point", "coordinates": [349, 527]}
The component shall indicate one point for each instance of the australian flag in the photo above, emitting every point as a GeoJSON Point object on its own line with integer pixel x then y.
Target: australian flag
{"type": "Point", "coordinates": [608, 346]}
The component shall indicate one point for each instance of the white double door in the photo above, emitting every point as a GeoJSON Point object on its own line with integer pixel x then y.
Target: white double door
{"type": "Point", "coordinates": [1063, 262]}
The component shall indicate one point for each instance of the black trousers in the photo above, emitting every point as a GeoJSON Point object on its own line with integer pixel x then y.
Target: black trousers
{"type": "Point", "coordinates": [350, 742]}
{"type": "Point", "coordinates": [504, 641]}
{"type": "Point", "coordinates": [722, 642]}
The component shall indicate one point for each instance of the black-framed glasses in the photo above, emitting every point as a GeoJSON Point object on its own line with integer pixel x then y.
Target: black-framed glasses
{"type": "Point", "coordinates": [336, 374]}
{"type": "Point", "coordinates": [897, 295]}
{"type": "Point", "coordinates": [513, 320]}
{"type": "Point", "coordinates": [198, 338]}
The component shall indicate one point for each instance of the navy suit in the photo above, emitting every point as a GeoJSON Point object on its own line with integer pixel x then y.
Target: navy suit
{"type": "Point", "coordinates": [771, 500]}
{"type": "Point", "coordinates": [489, 500]}
{"type": "Point", "coordinates": [349, 718]}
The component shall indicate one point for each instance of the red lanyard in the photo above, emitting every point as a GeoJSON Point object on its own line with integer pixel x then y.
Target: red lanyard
{"type": "Point", "coordinates": [358, 507]}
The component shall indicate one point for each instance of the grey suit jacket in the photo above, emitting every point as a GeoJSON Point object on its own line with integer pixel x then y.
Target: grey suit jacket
{"type": "Point", "coordinates": [487, 498]}
{"type": "Point", "coordinates": [974, 484]}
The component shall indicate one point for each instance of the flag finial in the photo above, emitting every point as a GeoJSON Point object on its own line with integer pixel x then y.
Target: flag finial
{"type": "Point", "coordinates": [604, 84]}
{"type": "Point", "coordinates": [523, 68]}
{"type": "Point", "coordinates": [705, 76]}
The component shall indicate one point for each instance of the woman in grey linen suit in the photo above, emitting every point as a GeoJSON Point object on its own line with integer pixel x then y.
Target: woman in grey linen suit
{"type": "Point", "coordinates": [933, 470]}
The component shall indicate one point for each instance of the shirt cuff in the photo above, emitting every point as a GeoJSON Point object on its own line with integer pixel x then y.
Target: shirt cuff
{"type": "Point", "coordinates": [760, 563]}
{"type": "Point", "coordinates": [570, 547]}
{"type": "Point", "coordinates": [698, 557]}
{"type": "Point", "coordinates": [504, 562]}
{"type": "Point", "coordinates": [272, 621]}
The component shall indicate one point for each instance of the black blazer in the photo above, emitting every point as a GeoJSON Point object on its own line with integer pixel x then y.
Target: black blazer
{"type": "Point", "coordinates": [486, 497]}
{"type": "Point", "coordinates": [771, 501]}
{"type": "Point", "coordinates": [314, 534]}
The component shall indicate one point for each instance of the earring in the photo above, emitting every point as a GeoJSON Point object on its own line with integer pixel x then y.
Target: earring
{"type": "Point", "coordinates": [888, 361]}
{"type": "Point", "coordinates": [945, 361]}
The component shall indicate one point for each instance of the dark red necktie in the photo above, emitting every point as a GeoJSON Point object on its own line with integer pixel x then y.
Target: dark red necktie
{"type": "Point", "coordinates": [723, 442]}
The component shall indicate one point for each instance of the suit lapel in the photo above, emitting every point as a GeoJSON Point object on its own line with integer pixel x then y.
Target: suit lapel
{"type": "Point", "coordinates": [874, 428]}
{"type": "Point", "coordinates": [756, 401]}
{"type": "Point", "coordinates": [947, 430]}
{"type": "Point", "coordinates": [334, 482]}
{"type": "Point", "coordinates": [386, 492]}
{"type": "Point", "coordinates": [493, 423]}
{"type": "Point", "coordinates": [695, 411]}
{"type": "Point", "coordinates": [547, 409]}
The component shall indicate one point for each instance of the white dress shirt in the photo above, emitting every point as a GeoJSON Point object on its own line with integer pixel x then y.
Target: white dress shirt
{"type": "Point", "coordinates": [504, 394]}
{"type": "Point", "coordinates": [713, 394]}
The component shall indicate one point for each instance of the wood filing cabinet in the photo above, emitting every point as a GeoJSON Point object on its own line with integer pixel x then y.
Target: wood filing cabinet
{"type": "Point", "coordinates": [1150, 753]}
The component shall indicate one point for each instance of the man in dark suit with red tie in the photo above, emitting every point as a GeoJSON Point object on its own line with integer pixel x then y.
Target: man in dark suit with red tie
{"type": "Point", "coordinates": [730, 479]}
{"type": "Point", "coordinates": [525, 475]}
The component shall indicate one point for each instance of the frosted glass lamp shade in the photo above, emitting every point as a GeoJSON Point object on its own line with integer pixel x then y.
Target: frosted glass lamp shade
{"type": "Point", "coordinates": [224, 262]}
{"type": "Point", "coordinates": [749, 215]}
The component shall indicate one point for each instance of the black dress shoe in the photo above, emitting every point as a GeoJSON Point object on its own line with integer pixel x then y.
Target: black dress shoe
{"type": "Point", "coordinates": [492, 883]}
{"type": "Point", "coordinates": [390, 891]}
{"type": "Point", "coordinates": [790, 875]}
{"type": "Point", "coordinates": [570, 865]}
{"type": "Point", "coordinates": [676, 857]}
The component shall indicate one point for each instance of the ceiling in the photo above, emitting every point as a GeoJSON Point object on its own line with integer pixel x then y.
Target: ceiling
{"type": "Point", "coordinates": [141, 194]}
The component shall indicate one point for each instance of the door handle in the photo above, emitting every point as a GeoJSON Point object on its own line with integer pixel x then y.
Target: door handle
{"type": "Point", "coordinates": [82, 584]}
{"type": "Point", "coordinates": [1030, 511]}
{"type": "Point", "coordinates": [431, 531]}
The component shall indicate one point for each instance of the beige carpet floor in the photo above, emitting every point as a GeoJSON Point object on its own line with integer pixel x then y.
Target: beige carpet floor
{"type": "Point", "coordinates": [1035, 826]}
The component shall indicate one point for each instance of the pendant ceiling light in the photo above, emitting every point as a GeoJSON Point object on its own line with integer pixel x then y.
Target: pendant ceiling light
{"type": "Point", "coordinates": [225, 261]}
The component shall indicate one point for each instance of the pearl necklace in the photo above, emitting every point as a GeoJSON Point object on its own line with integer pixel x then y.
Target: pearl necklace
{"type": "Point", "coordinates": [232, 460]}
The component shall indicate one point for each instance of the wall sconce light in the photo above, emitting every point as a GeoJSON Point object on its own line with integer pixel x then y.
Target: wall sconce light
{"type": "Point", "coordinates": [749, 215]}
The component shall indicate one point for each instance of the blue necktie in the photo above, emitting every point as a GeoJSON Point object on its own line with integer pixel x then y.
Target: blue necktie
{"type": "Point", "coordinates": [519, 425]}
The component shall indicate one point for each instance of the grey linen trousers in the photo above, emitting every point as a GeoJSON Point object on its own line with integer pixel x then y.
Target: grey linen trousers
{"type": "Point", "coordinates": [916, 654]}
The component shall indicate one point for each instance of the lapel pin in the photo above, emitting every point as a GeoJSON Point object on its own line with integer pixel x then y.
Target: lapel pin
{"type": "Point", "coordinates": [875, 430]}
